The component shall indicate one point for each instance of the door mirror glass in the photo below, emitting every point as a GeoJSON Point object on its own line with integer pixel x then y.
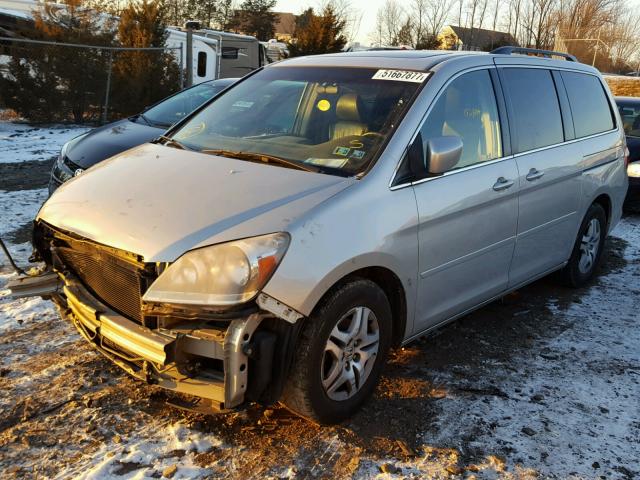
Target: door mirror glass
{"type": "Point", "coordinates": [443, 153]}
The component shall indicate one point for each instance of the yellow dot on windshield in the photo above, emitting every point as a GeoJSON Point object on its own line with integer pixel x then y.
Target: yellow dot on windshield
{"type": "Point", "coordinates": [324, 105]}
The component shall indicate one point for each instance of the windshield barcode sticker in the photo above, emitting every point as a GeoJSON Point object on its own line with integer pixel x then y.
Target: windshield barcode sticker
{"type": "Point", "coordinates": [401, 76]}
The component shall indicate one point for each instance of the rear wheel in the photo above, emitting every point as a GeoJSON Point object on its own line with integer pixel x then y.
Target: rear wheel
{"type": "Point", "coordinates": [341, 353]}
{"type": "Point", "coordinates": [587, 251]}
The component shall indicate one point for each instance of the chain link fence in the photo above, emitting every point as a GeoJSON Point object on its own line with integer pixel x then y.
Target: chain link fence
{"type": "Point", "coordinates": [45, 81]}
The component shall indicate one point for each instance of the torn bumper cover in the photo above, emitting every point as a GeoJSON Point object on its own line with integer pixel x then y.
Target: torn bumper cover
{"type": "Point", "coordinates": [209, 360]}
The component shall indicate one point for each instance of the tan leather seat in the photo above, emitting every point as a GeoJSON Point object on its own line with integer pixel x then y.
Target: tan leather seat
{"type": "Point", "coordinates": [348, 118]}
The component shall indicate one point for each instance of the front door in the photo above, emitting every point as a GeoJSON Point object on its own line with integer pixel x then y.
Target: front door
{"type": "Point", "coordinates": [468, 216]}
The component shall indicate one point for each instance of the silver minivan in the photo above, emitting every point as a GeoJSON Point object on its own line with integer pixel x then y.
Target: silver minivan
{"type": "Point", "coordinates": [275, 244]}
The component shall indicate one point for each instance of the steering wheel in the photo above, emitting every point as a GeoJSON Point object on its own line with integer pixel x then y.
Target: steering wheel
{"type": "Point", "coordinates": [373, 134]}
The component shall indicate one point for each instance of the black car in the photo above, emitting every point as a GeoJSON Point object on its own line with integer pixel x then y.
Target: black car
{"type": "Point", "coordinates": [101, 143]}
{"type": "Point", "coordinates": [629, 108]}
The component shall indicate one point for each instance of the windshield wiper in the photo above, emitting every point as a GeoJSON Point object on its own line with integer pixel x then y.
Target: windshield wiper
{"type": "Point", "coordinates": [170, 141]}
{"type": "Point", "coordinates": [261, 157]}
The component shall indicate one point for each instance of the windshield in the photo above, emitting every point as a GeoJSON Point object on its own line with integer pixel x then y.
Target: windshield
{"type": "Point", "coordinates": [630, 113]}
{"type": "Point", "coordinates": [175, 108]}
{"type": "Point", "coordinates": [332, 119]}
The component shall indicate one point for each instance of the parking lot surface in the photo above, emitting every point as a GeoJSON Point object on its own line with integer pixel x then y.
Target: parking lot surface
{"type": "Point", "coordinates": [544, 383]}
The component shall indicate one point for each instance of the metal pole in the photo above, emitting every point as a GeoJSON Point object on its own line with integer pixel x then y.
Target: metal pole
{"type": "Point", "coordinates": [189, 57]}
{"type": "Point", "coordinates": [595, 50]}
{"type": "Point", "coordinates": [181, 66]}
{"type": "Point", "coordinates": [106, 95]}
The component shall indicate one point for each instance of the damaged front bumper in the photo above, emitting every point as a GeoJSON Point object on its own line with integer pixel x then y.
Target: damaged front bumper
{"type": "Point", "coordinates": [223, 363]}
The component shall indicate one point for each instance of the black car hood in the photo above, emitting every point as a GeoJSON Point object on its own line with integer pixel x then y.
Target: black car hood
{"type": "Point", "coordinates": [109, 140]}
{"type": "Point", "coordinates": [633, 144]}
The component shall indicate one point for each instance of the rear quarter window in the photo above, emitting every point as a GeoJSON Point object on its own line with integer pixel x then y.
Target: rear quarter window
{"type": "Point", "coordinates": [589, 105]}
{"type": "Point", "coordinates": [535, 107]}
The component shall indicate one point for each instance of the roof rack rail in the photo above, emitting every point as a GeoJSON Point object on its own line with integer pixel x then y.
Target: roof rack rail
{"type": "Point", "coordinates": [533, 51]}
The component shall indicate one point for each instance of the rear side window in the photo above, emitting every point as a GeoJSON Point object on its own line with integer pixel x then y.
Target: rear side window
{"type": "Point", "coordinates": [535, 106]}
{"type": "Point", "coordinates": [589, 105]}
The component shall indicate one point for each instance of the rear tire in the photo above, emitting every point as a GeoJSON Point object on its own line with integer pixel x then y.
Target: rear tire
{"type": "Point", "coordinates": [587, 250]}
{"type": "Point", "coordinates": [340, 354]}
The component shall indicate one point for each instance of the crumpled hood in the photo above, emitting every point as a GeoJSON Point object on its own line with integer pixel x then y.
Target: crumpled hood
{"type": "Point", "coordinates": [160, 202]}
{"type": "Point", "coordinates": [109, 140]}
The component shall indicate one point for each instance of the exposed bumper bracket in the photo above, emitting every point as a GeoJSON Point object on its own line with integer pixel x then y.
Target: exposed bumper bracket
{"type": "Point", "coordinates": [279, 309]}
{"type": "Point", "coordinates": [44, 284]}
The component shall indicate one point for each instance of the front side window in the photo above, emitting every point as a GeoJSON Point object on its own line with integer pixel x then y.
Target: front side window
{"type": "Point", "coordinates": [630, 115]}
{"type": "Point", "coordinates": [589, 105]}
{"type": "Point", "coordinates": [175, 108]}
{"type": "Point", "coordinates": [467, 109]}
{"type": "Point", "coordinates": [329, 119]}
{"type": "Point", "coordinates": [535, 106]}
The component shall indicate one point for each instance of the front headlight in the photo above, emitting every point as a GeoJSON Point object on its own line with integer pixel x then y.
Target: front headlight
{"type": "Point", "coordinates": [633, 170]}
{"type": "Point", "coordinates": [69, 144]}
{"type": "Point", "coordinates": [224, 274]}
{"type": "Point", "coordinates": [63, 151]}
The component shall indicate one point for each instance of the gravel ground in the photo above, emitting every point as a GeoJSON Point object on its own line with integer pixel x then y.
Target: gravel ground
{"type": "Point", "coordinates": [544, 383]}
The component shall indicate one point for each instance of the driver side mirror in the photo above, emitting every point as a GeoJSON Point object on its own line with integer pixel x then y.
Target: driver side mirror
{"type": "Point", "coordinates": [443, 153]}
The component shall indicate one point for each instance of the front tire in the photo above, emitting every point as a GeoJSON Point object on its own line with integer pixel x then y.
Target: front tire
{"type": "Point", "coordinates": [587, 250]}
{"type": "Point", "coordinates": [340, 354]}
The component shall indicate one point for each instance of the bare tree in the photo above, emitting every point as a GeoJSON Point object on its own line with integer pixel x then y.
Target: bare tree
{"type": "Point", "coordinates": [496, 14]}
{"type": "Point", "coordinates": [390, 19]}
{"type": "Point", "coordinates": [436, 14]}
{"type": "Point", "coordinates": [344, 12]}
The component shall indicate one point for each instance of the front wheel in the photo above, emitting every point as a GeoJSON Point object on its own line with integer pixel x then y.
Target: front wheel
{"type": "Point", "coordinates": [340, 354]}
{"type": "Point", "coordinates": [587, 251]}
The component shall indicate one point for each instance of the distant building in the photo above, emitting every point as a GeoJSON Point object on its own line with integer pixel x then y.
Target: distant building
{"type": "Point", "coordinates": [285, 26]}
{"type": "Point", "coordinates": [453, 37]}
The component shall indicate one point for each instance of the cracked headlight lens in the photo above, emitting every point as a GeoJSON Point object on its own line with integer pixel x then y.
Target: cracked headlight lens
{"type": "Point", "coordinates": [224, 274]}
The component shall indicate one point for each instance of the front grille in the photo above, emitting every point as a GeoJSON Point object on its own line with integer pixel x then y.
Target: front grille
{"type": "Point", "coordinates": [113, 281]}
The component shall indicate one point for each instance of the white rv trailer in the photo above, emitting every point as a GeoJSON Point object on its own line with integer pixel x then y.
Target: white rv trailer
{"type": "Point", "coordinates": [217, 54]}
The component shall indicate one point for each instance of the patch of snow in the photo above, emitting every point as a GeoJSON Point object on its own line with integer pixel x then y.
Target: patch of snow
{"type": "Point", "coordinates": [20, 143]}
{"type": "Point", "coordinates": [153, 449]}
{"type": "Point", "coordinates": [19, 207]}
{"type": "Point", "coordinates": [16, 13]}
{"type": "Point", "coordinates": [15, 314]}
{"type": "Point", "coordinates": [575, 412]}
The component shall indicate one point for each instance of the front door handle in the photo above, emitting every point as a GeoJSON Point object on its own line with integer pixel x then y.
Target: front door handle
{"type": "Point", "coordinates": [534, 174]}
{"type": "Point", "coordinates": [502, 184]}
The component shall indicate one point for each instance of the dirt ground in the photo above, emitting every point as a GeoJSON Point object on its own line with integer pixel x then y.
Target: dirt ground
{"type": "Point", "coordinates": [544, 383]}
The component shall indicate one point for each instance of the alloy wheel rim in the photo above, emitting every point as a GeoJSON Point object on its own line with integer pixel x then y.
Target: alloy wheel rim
{"type": "Point", "coordinates": [350, 353]}
{"type": "Point", "coordinates": [589, 245]}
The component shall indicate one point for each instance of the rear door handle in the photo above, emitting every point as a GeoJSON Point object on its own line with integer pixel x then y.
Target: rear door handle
{"type": "Point", "coordinates": [534, 174]}
{"type": "Point", "coordinates": [502, 184]}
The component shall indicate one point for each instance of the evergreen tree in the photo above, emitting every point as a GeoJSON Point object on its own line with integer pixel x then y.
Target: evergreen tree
{"type": "Point", "coordinates": [405, 34]}
{"type": "Point", "coordinates": [141, 78]}
{"type": "Point", "coordinates": [225, 16]}
{"type": "Point", "coordinates": [258, 19]}
{"type": "Point", "coordinates": [317, 34]}
{"type": "Point", "coordinates": [56, 83]}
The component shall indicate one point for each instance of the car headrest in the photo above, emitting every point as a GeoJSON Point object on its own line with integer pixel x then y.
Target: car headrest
{"type": "Point", "coordinates": [348, 107]}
